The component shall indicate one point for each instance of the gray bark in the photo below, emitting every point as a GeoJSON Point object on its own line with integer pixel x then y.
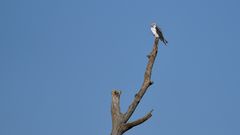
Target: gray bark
{"type": "Point", "coordinates": [120, 120]}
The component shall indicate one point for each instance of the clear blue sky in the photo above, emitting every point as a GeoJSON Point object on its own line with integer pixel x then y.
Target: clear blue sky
{"type": "Point", "coordinates": [60, 60]}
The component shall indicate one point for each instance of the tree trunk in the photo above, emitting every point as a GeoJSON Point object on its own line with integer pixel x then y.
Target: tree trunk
{"type": "Point", "coordinates": [120, 122]}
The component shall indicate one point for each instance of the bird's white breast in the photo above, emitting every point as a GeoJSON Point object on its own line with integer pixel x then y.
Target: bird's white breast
{"type": "Point", "coordinates": [154, 31]}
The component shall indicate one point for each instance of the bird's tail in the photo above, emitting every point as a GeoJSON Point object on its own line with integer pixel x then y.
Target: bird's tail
{"type": "Point", "coordinates": [165, 42]}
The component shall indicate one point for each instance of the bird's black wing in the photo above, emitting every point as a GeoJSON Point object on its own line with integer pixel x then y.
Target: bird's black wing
{"type": "Point", "coordinates": [159, 32]}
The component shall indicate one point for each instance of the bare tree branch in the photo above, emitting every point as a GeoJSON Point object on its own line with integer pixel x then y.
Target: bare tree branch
{"type": "Point", "coordinates": [146, 83]}
{"type": "Point", "coordinates": [137, 122]}
{"type": "Point", "coordinates": [119, 120]}
{"type": "Point", "coordinates": [116, 102]}
{"type": "Point", "coordinates": [116, 113]}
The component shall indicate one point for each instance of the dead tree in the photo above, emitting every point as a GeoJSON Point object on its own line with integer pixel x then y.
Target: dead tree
{"type": "Point", "coordinates": [120, 122]}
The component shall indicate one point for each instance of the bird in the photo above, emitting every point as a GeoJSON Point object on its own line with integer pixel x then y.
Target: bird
{"type": "Point", "coordinates": [158, 33]}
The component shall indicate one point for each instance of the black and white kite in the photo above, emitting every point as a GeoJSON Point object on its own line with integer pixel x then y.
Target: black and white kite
{"type": "Point", "coordinates": [158, 33]}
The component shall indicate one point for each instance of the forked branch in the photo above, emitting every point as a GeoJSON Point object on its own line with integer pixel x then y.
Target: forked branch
{"type": "Point", "coordinates": [120, 122]}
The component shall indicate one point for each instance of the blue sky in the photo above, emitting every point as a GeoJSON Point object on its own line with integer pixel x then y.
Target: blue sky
{"type": "Point", "coordinates": [61, 59]}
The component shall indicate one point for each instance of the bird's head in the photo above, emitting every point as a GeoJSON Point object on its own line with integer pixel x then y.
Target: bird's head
{"type": "Point", "coordinates": [153, 24]}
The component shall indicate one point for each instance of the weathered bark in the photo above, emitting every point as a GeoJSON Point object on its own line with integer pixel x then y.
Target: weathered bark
{"type": "Point", "coordinates": [120, 122]}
